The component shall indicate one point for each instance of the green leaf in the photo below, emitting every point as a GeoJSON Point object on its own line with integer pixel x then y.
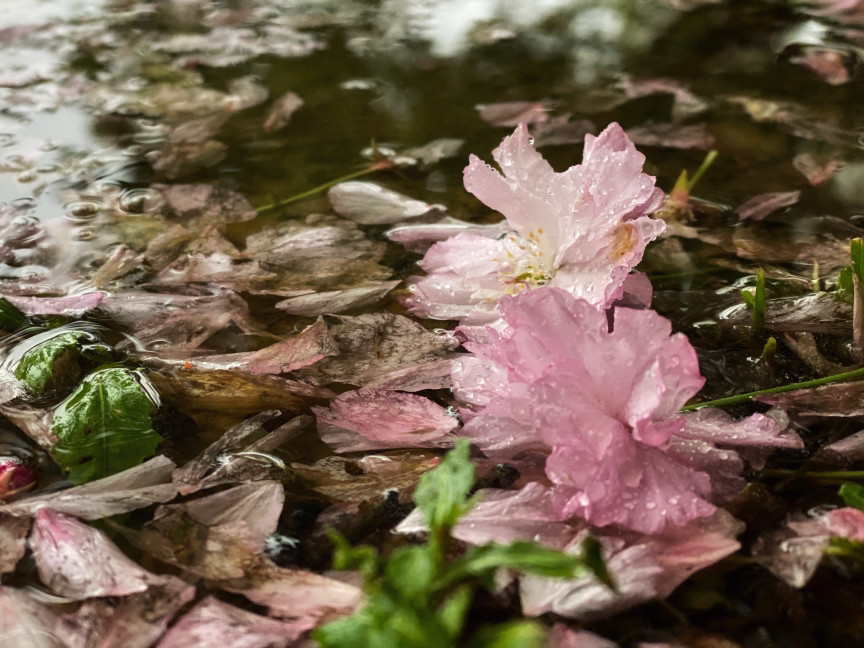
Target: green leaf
{"type": "Point", "coordinates": [845, 287]}
{"type": "Point", "coordinates": [515, 634]}
{"type": "Point", "coordinates": [11, 319]}
{"type": "Point", "coordinates": [483, 561]}
{"type": "Point", "coordinates": [856, 252]}
{"type": "Point", "coordinates": [755, 300]}
{"type": "Point", "coordinates": [51, 365]}
{"type": "Point", "coordinates": [105, 426]}
{"type": "Point", "coordinates": [592, 557]}
{"type": "Point", "coordinates": [363, 558]}
{"type": "Point", "coordinates": [452, 612]}
{"type": "Point", "coordinates": [853, 495]}
{"type": "Point", "coordinates": [410, 571]}
{"type": "Point", "coordinates": [442, 492]}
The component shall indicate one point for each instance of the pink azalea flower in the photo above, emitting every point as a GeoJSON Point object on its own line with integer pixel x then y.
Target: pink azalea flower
{"type": "Point", "coordinates": [582, 230]}
{"type": "Point", "coordinates": [606, 405]}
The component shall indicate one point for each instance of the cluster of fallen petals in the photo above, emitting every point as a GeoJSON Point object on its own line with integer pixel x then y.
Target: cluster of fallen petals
{"type": "Point", "coordinates": [580, 392]}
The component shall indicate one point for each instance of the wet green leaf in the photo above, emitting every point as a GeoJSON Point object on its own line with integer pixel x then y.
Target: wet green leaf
{"type": "Point", "coordinates": [441, 493]}
{"type": "Point", "coordinates": [592, 556]}
{"type": "Point", "coordinates": [51, 365]}
{"type": "Point", "coordinates": [105, 426]}
{"type": "Point", "coordinates": [526, 557]}
{"type": "Point", "coordinates": [515, 634]}
{"type": "Point", "coordinates": [853, 495]}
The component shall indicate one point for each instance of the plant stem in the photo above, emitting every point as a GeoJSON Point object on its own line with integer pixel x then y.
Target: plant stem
{"type": "Point", "coordinates": [322, 187]}
{"type": "Point", "coordinates": [706, 163]}
{"type": "Point", "coordinates": [742, 398]}
{"type": "Point", "coordinates": [814, 474]}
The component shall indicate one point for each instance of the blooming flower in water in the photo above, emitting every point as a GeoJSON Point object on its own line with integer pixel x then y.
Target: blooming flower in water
{"type": "Point", "coordinates": [606, 405]}
{"type": "Point", "coordinates": [582, 230]}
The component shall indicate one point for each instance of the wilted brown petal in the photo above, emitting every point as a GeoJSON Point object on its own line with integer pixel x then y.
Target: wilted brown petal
{"type": "Point", "coordinates": [834, 65]}
{"type": "Point", "coordinates": [174, 321]}
{"type": "Point", "coordinates": [320, 253]}
{"type": "Point", "coordinates": [120, 263]}
{"type": "Point", "coordinates": [306, 348]}
{"type": "Point", "coordinates": [357, 481]}
{"type": "Point", "coordinates": [235, 438]}
{"type": "Point", "coordinates": [758, 207]}
{"type": "Point", "coordinates": [838, 400]}
{"type": "Point", "coordinates": [198, 205]}
{"type": "Point", "coordinates": [643, 567]}
{"type": "Point", "coordinates": [376, 344]}
{"type": "Point", "coordinates": [131, 489]}
{"type": "Point", "coordinates": [175, 160]}
{"type": "Point", "coordinates": [694, 136]}
{"type": "Point", "coordinates": [216, 536]}
{"type": "Point", "coordinates": [797, 119]}
{"type": "Point", "coordinates": [13, 541]}
{"type": "Point", "coordinates": [686, 104]}
{"type": "Point", "coordinates": [370, 204]}
{"type": "Point", "coordinates": [73, 305]}
{"type": "Point", "coordinates": [281, 111]}
{"type": "Point", "coordinates": [818, 169]}
{"type": "Point", "coordinates": [231, 392]}
{"type": "Point", "coordinates": [418, 237]}
{"type": "Point", "coordinates": [817, 313]}
{"type": "Point", "coordinates": [79, 562]}
{"type": "Point", "coordinates": [560, 130]}
{"type": "Point", "coordinates": [844, 452]}
{"type": "Point", "coordinates": [214, 623]}
{"type": "Point", "coordinates": [336, 301]}
{"type": "Point", "coordinates": [560, 636]}
{"type": "Point", "coordinates": [296, 593]}
{"type": "Point", "coordinates": [135, 621]}
{"type": "Point", "coordinates": [512, 113]}
{"type": "Point", "coordinates": [430, 375]}
{"type": "Point", "coordinates": [794, 551]}
{"type": "Point", "coordinates": [25, 623]}
{"type": "Point", "coordinates": [507, 516]}
{"type": "Point", "coordinates": [372, 419]}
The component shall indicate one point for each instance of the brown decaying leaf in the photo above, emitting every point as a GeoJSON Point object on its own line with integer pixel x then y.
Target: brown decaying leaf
{"type": "Point", "coordinates": [374, 345]}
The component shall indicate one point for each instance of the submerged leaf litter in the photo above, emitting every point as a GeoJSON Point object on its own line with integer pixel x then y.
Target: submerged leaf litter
{"type": "Point", "coordinates": [211, 383]}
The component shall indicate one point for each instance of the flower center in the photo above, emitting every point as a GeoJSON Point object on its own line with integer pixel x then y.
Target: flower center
{"type": "Point", "coordinates": [525, 263]}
